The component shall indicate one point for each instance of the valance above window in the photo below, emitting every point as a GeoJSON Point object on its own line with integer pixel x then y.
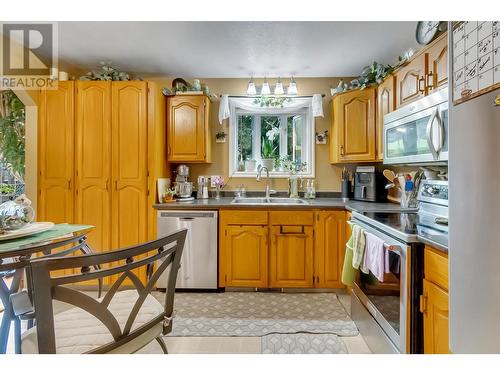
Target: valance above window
{"type": "Point", "coordinates": [229, 104]}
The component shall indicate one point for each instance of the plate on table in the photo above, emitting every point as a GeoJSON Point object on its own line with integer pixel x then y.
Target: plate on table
{"type": "Point", "coordinates": [27, 230]}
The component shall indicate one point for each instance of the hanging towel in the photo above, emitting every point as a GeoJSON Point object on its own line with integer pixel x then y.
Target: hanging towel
{"type": "Point", "coordinates": [358, 246]}
{"type": "Point", "coordinates": [317, 105]}
{"type": "Point", "coordinates": [355, 245]}
{"type": "Point", "coordinates": [374, 256]}
{"type": "Point", "coordinates": [224, 112]}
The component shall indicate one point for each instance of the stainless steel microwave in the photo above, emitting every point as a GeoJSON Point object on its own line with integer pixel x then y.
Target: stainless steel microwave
{"type": "Point", "coordinates": [418, 132]}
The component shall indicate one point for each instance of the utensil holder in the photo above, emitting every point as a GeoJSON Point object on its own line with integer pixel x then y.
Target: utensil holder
{"type": "Point", "coordinates": [346, 189]}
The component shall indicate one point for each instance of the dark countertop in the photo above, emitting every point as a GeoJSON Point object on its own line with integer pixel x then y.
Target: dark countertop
{"type": "Point", "coordinates": [434, 244]}
{"type": "Point", "coordinates": [318, 203]}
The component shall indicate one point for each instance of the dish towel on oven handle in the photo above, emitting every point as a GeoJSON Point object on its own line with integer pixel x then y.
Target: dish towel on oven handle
{"type": "Point", "coordinates": [354, 250]}
{"type": "Point", "coordinates": [375, 257]}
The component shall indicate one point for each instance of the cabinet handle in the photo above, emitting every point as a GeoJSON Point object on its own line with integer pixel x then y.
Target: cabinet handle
{"type": "Point", "coordinates": [69, 184]}
{"type": "Point", "coordinates": [168, 150]}
{"type": "Point", "coordinates": [107, 185]}
{"type": "Point", "coordinates": [423, 304]}
{"type": "Point", "coordinates": [430, 80]}
{"type": "Point", "coordinates": [342, 150]}
{"type": "Point", "coordinates": [421, 83]}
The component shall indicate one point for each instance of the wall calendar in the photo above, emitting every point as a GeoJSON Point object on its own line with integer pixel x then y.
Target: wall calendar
{"type": "Point", "coordinates": [476, 59]}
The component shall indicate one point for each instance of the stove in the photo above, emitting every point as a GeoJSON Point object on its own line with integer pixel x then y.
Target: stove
{"type": "Point", "coordinates": [429, 223]}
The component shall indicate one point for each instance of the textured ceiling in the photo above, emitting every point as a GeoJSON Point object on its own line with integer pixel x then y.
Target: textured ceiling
{"type": "Point", "coordinates": [235, 49]}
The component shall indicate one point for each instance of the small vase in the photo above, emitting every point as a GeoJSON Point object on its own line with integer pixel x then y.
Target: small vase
{"type": "Point", "coordinates": [293, 186]}
{"type": "Point", "coordinates": [268, 163]}
{"type": "Point", "coordinates": [217, 192]}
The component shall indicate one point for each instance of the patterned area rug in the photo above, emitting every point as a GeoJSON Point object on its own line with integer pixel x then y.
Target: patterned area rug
{"type": "Point", "coordinates": [259, 314]}
{"type": "Point", "coordinates": [303, 343]}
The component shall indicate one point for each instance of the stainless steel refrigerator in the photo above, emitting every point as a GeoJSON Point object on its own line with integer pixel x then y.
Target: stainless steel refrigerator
{"type": "Point", "coordinates": [474, 221]}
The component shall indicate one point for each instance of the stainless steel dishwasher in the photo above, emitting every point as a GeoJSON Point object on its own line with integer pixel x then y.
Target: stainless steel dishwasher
{"type": "Point", "coordinates": [199, 258]}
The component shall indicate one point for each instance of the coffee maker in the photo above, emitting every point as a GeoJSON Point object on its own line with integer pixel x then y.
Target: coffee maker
{"type": "Point", "coordinates": [183, 187]}
{"type": "Point", "coordinates": [369, 185]}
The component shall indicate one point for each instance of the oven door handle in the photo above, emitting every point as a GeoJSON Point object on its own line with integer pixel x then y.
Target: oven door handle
{"type": "Point", "coordinates": [391, 243]}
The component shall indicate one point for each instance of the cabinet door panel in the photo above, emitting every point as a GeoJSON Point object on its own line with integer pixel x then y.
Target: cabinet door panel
{"type": "Point", "coordinates": [386, 102]}
{"type": "Point", "coordinates": [130, 166]}
{"type": "Point", "coordinates": [186, 128]}
{"type": "Point", "coordinates": [56, 154]}
{"type": "Point", "coordinates": [93, 155]}
{"type": "Point", "coordinates": [291, 260]}
{"type": "Point", "coordinates": [356, 123]}
{"type": "Point", "coordinates": [330, 248]}
{"type": "Point", "coordinates": [407, 89]}
{"type": "Point", "coordinates": [438, 63]}
{"type": "Point", "coordinates": [245, 252]}
{"type": "Point", "coordinates": [436, 320]}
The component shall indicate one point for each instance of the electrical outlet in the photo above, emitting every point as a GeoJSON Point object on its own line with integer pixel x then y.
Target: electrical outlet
{"type": "Point", "coordinates": [212, 179]}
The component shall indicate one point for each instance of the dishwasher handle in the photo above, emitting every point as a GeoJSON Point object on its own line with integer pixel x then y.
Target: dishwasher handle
{"type": "Point", "coordinates": [186, 218]}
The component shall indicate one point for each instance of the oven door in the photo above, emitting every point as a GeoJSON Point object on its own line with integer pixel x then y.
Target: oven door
{"type": "Point", "coordinates": [421, 137]}
{"type": "Point", "coordinates": [388, 301]}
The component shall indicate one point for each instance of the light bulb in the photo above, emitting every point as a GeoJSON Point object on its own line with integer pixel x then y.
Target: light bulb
{"type": "Point", "coordinates": [251, 90]}
{"type": "Point", "coordinates": [292, 88]}
{"type": "Point", "coordinates": [266, 90]}
{"type": "Point", "coordinates": [278, 90]}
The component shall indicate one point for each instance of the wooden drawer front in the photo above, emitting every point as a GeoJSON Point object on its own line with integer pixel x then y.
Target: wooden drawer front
{"type": "Point", "coordinates": [291, 218]}
{"type": "Point", "coordinates": [243, 217]}
{"type": "Point", "coordinates": [436, 267]}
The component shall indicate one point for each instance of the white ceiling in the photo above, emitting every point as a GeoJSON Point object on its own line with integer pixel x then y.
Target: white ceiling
{"type": "Point", "coordinates": [235, 49]}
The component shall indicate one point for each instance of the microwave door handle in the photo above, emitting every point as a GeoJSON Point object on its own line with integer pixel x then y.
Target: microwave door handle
{"type": "Point", "coordinates": [442, 134]}
{"type": "Point", "coordinates": [429, 134]}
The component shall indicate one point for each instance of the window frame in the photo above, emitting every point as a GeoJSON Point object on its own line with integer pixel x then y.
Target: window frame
{"type": "Point", "coordinates": [308, 144]}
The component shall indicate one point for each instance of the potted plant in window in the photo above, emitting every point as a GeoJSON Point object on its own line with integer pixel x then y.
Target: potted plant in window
{"type": "Point", "coordinates": [250, 165]}
{"type": "Point", "coordinates": [269, 150]}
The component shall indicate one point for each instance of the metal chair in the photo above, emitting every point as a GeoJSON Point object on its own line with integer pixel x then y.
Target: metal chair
{"type": "Point", "coordinates": [14, 267]}
{"type": "Point", "coordinates": [122, 321]}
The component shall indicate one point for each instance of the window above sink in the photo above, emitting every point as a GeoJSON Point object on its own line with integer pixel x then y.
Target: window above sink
{"type": "Point", "coordinates": [279, 138]}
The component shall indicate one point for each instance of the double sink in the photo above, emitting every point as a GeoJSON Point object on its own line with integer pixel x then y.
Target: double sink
{"type": "Point", "coordinates": [269, 201]}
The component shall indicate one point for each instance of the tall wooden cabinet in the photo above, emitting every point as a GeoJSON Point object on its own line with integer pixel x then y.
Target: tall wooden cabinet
{"type": "Point", "coordinates": [437, 63]}
{"type": "Point", "coordinates": [103, 147]}
{"type": "Point", "coordinates": [93, 161]}
{"type": "Point", "coordinates": [188, 129]}
{"type": "Point", "coordinates": [56, 154]}
{"type": "Point", "coordinates": [353, 126]}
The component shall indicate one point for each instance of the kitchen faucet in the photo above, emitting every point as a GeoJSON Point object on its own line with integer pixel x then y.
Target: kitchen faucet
{"type": "Point", "coordinates": [268, 189]}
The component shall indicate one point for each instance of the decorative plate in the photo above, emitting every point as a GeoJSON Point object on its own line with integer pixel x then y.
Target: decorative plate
{"type": "Point", "coordinates": [27, 230]}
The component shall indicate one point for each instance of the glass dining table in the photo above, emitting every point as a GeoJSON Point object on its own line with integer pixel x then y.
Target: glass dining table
{"type": "Point", "coordinates": [15, 255]}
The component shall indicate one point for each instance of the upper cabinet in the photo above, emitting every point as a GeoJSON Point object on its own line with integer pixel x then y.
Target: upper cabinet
{"type": "Point", "coordinates": [410, 81]}
{"type": "Point", "coordinates": [386, 102]}
{"type": "Point", "coordinates": [437, 63]}
{"type": "Point", "coordinates": [353, 127]}
{"type": "Point", "coordinates": [188, 132]}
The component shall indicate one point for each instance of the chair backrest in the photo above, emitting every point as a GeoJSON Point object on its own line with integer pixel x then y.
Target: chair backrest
{"type": "Point", "coordinates": [117, 265]}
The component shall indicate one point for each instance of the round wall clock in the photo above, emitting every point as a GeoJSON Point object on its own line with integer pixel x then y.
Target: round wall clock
{"type": "Point", "coordinates": [426, 31]}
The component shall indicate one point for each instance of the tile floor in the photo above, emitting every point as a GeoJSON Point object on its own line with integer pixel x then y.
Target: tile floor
{"type": "Point", "coordinates": [229, 345]}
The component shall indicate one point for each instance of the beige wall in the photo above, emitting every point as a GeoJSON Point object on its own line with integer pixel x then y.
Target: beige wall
{"type": "Point", "coordinates": [327, 175]}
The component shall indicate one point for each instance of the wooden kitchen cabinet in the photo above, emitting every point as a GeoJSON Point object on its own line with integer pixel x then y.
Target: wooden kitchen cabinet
{"type": "Point", "coordinates": [246, 252]}
{"type": "Point", "coordinates": [93, 161]}
{"type": "Point", "coordinates": [291, 256]}
{"type": "Point", "coordinates": [99, 159]}
{"type": "Point", "coordinates": [437, 63]}
{"type": "Point", "coordinates": [353, 127]}
{"type": "Point", "coordinates": [56, 154]}
{"type": "Point", "coordinates": [243, 248]}
{"type": "Point", "coordinates": [434, 303]}
{"type": "Point", "coordinates": [410, 81]}
{"type": "Point", "coordinates": [386, 102]}
{"type": "Point", "coordinates": [188, 131]}
{"type": "Point", "coordinates": [330, 241]}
